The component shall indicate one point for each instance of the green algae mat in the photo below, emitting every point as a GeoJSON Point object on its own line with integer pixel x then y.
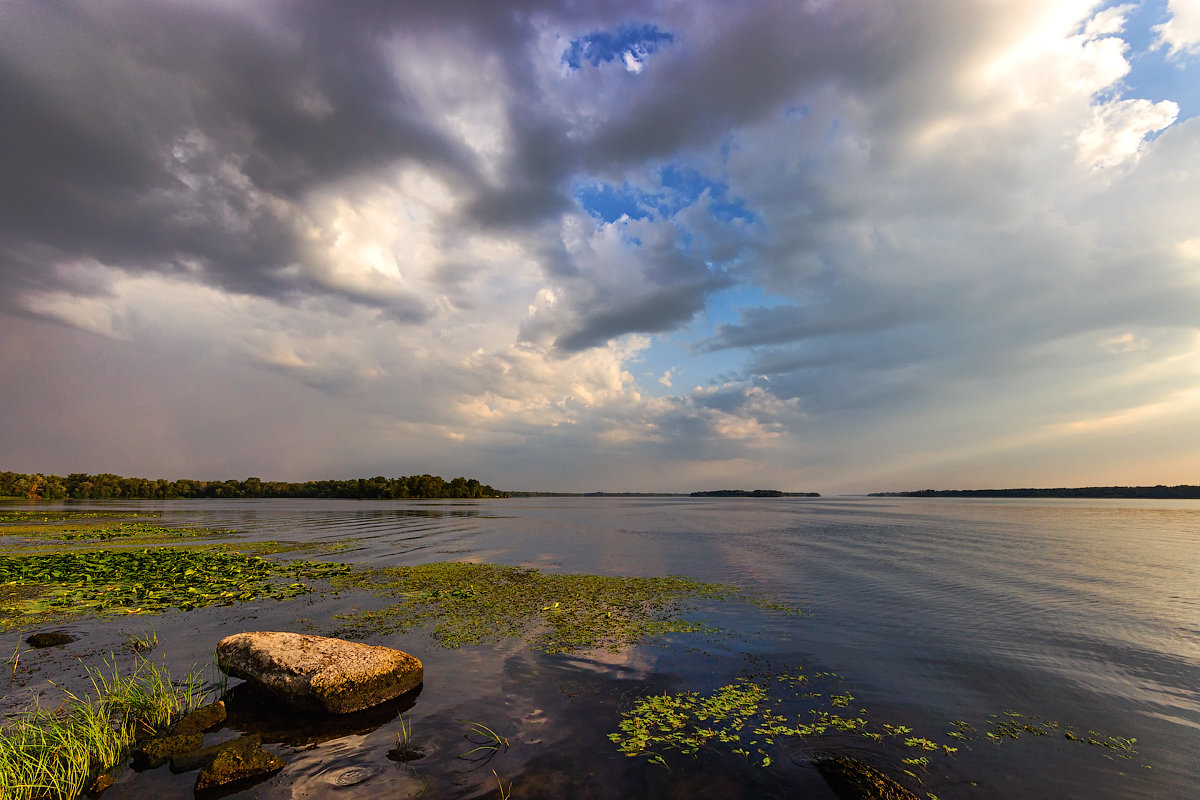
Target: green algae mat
{"type": "Point", "coordinates": [150, 579]}
{"type": "Point", "coordinates": [468, 603]}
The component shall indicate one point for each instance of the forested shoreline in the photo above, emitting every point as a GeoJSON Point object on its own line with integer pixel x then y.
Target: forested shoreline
{"type": "Point", "coordinates": [1182, 492]}
{"type": "Point", "coordinates": [106, 486]}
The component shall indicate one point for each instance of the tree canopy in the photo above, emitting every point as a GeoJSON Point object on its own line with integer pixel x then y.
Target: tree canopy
{"type": "Point", "coordinates": [106, 486]}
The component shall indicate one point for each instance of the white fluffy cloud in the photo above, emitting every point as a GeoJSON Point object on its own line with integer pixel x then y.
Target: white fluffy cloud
{"type": "Point", "coordinates": [1181, 32]}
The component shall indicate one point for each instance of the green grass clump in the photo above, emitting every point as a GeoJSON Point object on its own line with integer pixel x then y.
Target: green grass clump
{"type": "Point", "coordinates": [470, 603]}
{"type": "Point", "coordinates": [146, 580]}
{"type": "Point", "coordinates": [56, 753]}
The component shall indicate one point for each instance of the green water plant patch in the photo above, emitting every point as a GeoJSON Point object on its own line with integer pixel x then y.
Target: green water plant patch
{"type": "Point", "coordinates": [34, 537]}
{"type": "Point", "coordinates": [754, 717]}
{"type": "Point", "coordinates": [133, 530]}
{"type": "Point", "coordinates": [149, 579]}
{"type": "Point", "coordinates": [750, 717]}
{"type": "Point", "coordinates": [23, 515]}
{"type": "Point", "coordinates": [466, 603]}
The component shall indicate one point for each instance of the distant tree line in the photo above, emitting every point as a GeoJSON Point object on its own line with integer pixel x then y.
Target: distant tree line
{"type": "Point", "coordinates": [753, 493]}
{"type": "Point", "coordinates": [105, 486]}
{"type": "Point", "coordinates": [1182, 492]}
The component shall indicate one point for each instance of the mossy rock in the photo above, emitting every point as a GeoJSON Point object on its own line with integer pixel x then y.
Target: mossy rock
{"type": "Point", "coordinates": [852, 779]}
{"type": "Point", "coordinates": [201, 719]}
{"type": "Point", "coordinates": [156, 751]}
{"type": "Point", "coordinates": [198, 759]}
{"type": "Point", "coordinates": [241, 764]}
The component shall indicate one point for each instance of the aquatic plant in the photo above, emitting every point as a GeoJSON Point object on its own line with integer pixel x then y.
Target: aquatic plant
{"type": "Point", "coordinates": [467, 603]}
{"type": "Point", "coordinates": [22, 515]}
{"type": "Point", "coordinates": [55, 753]}
{"type": "Point", "coordinates": [1013, 725]}
{"type": "Point", "coordinates": [505, 794]}
{"type": "Point", "coordinates": [487, 742]}
{"type": "Point", "coordinates": [746, 718]}
{"type": "Point", "coordinates": [142, 643]}
{"type": "Point", "coordinates": [406, 749]}
{"type": "Point", "coordinates": [146, 580]}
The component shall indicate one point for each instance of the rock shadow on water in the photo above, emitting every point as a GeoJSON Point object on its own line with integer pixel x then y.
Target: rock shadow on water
{"type": "Point", "coordinates": [255, 711]}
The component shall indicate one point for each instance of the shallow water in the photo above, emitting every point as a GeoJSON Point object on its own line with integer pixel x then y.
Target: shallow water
{"type": "Point", "coordinates": [929, 610]}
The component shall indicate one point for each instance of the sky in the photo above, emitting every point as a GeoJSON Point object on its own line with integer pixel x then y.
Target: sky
{"type": "Point", "coordinates": [835, 245]}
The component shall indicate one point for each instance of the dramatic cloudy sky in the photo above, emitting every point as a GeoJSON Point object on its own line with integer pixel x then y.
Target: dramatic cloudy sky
{"type": "Point", "coordinates": [835, 245]}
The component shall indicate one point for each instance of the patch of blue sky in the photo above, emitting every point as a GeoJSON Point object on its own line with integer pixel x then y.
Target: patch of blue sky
{"type": "Point", "coordinates": [686, 186]}
{"type": "Point", "coordinates": [681, 187]}
{"type": "Point", "coordinates": [629, 42]}
{"type": "Point", "coordinates": [610, 202]}
{"type": "Point", "coordinates": [675, 363]}
{"type": "Point", "coordinates": [670, 367]}
{"type": "Point", "coordinates": [725, 307]}
{"type": "Point", "coordinates": [1153, 75]}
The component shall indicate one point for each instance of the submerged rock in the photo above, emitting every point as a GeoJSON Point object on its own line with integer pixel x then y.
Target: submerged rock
{"type": "Point", "coordinates": [50, 639]}
{"type": "Point", "coordinates": [197, 759]}
{"type": "Point", "coordinates": [155, 752]}
{"type": "Point", "coordinates": [100, 783]}
{"type": "Point", "coordinates": [242, 763]}
{"type": "Point", "coordinates": [254, 710]}
{"type": "Point", "coordinates": [852, 779]}
{"type": "Point", "coordinates": [315, 672]}
{"type": "Point", "coordinates": [201, 719]}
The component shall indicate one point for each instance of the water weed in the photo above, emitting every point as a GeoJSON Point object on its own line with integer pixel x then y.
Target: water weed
{"type": "Point", "coordinates": [505, 794]}
{"type": "Point", "coordinates": [142, 643]}
{"type": "Point", "coordinates": [747, 718]}
{"type": "Point", "coordinates": [148, 580]}
{"type": "Point", "coordinates": [406, 750]}
{"type": "Point", "coordinates": [1013, 725]}
{"type": "Point", "coordinates": [487, 742]}
{"type": "Point", "coordinates": [467, 603]}
{"type": "Point", "coordinates": [61, 516]}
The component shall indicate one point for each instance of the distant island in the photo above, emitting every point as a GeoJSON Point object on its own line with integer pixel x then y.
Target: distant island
{"type": "Point", "coordinates": [105, 486]}
{"type": "Point", "coordinates": [753, 493]}
{"type": "Point", "coordinates": [1183, 492]}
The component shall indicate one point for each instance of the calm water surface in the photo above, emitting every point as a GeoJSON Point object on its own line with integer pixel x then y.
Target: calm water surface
{"type": "Point", "coordinates": [1083, 612]}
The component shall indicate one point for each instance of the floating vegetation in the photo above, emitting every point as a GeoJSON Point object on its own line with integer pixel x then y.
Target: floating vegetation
{"type": "Point", "coordinates": [56, 753]}
{"type": "Point", "coordinates": [33, 537]}
{"type": "Point", "coordinates": [59, 516]}
{"type": "Point", "coordinates": [147, 580]}
{"type": "Point", "coordinates": [136, 530]}
{"type": "Point", "coordinates": [1013, 725]}
{"type": "Point", "coordinates": [747, 718]}
{"type": "Point", "coordinates": [472, 603]}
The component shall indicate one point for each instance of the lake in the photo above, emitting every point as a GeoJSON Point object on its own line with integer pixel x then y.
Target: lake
{"type": "Point", "coordinates": [1010, 617]}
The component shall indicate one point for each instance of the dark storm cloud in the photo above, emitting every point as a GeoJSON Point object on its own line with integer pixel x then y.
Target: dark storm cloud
{"type": "Point", "coordinates": [742, 70]}
{"type": "Point", "coordinates": [144, 135]}
{"type": "Point", "coordinates": [785, 324]}
{"type": "Point", "coordinates": [661, 311]}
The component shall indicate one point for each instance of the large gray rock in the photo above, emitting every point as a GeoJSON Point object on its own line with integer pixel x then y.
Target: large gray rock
{"type": "Point", "coordinates": [316, 672]}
